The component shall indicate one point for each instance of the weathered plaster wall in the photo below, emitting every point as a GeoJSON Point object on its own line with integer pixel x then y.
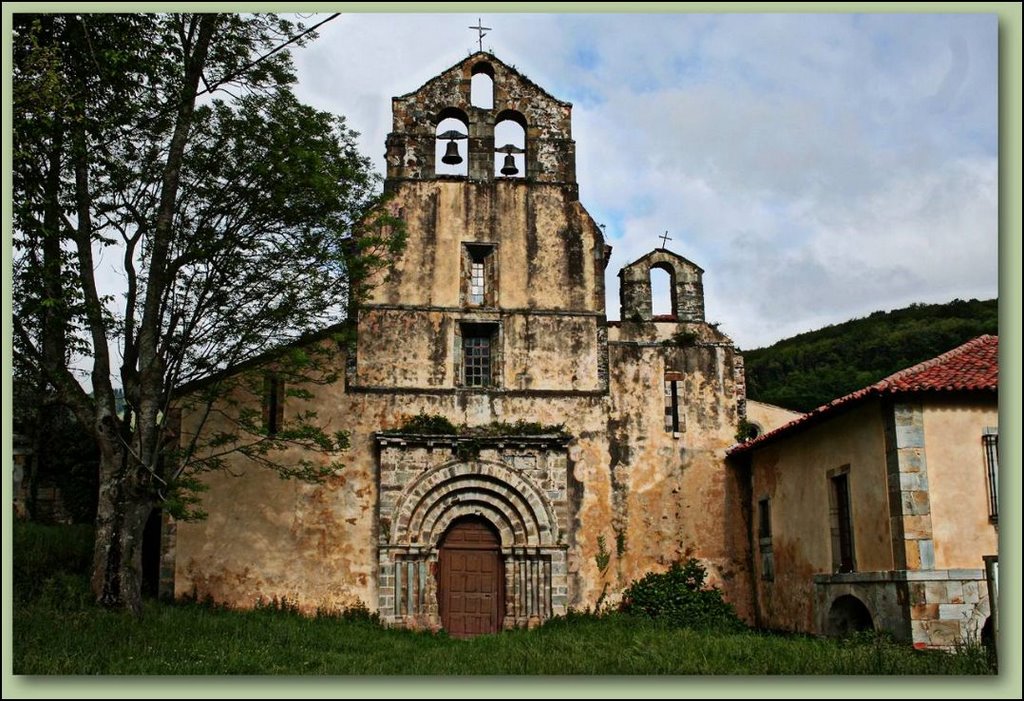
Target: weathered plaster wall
{"type": "Point", "coordinates": [671, 496]}
{"type": "Point", "coordinates": [769, 417]}
{"type": "Point", "coordinates": [549, 252]}
{"type": "Point", "coordinates": [793, 474]}
{"type": "Point", "coordinates": [266, 537]}
{"type": "Point", "coordinates": [667, 496]}
{"type": "Point", "coordinates": [957, 483]}
{"type": "Point", "coordinates": [409, 348]}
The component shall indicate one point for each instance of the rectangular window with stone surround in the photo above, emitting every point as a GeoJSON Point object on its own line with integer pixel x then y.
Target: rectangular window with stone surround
{"type": "Point", "coordinates": [673, 380]}
{"type": "Point", "coordinates": [478, 274]}
{"type": "Point", "coordinates": [479, 347]}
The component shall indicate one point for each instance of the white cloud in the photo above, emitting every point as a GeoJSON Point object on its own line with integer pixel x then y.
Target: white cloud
{"type": "Point", "coordinates": [816, 166]}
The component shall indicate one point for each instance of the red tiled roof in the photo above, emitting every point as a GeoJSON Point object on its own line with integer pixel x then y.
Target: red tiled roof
{"type": "Point", "coordinates": [972, 367]}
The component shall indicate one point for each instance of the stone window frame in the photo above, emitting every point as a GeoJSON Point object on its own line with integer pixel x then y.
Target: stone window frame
{"type": "Point", "coordinates": [836, 524]}
{"type": "Point", "coordinates": [664, 267]}
{"type": "Point", "coordinates": [474, 328]}
{"type": "Point", "coordinates": [484, 254]}
{"type": "Point", "coordinates": [673, 416]}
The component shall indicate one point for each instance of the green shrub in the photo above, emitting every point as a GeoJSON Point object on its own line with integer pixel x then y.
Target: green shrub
{"type": "Point", "coordinates": [682, 339]}
{"type": "Point", "coordinates": [438, 425]}
{"type": "Point", "coordinates": [679, 597]}
{"type": "Point", "coordinates": [431, 424]}
{"type": "Point", "coordinates": [360, 613]}
{"type": "Point", "coordinates": [746, 431]}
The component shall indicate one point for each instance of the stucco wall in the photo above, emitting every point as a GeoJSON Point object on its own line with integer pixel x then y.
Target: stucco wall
{"type": "Point", "coordinates": [549, 252]}
{"type": "Point", "coordinates": [667, 496]}
{"type": "Point", "coordinates": [266, 537]}
{"type": "Point", "coordinates": [671, 495]}
{"type": "Point", "coordinates": [413, 348]}
{"type": "Point", "coordinates": [793, 474]}
{"type": "Point", "coordinates": [957, 482]}
{"type": "Point", "coordinates": [769, 417]}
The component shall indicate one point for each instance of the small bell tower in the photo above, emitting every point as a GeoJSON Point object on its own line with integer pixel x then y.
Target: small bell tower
{"type": "Point", "coordinates": [503, 267]}
{"type": "Point", "coordinates": [452, 128]}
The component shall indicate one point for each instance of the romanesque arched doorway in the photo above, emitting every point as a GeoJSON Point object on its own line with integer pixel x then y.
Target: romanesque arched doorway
{"type": "Point", "coordinates": [471, 578]}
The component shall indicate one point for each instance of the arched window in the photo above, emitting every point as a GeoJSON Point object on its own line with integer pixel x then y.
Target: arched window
{"type": "Point", "coordinates": [662, 291]}
{"type": "Point", "coordinates": [451, 153]}
{"type": "Point", "coordinates": [481, 88]}
{"type": "Point", "coordinates": [510, 145]}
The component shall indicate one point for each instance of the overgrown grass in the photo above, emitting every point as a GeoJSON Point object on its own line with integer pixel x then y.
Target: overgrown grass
{"type": "Point", "coordinates": [65, 634]}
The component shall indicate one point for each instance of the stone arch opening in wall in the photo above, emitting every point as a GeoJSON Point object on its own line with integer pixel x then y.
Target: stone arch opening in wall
{"type": "Point", "coordinates": [481, 86]}
{"type": "Point", "coordinates": [451, 141]}
{"type": "Point", "coordinates": [424, 503]}
{"type": "Point", "coordinates": [526, 535]}
{"type": "Point", "coordinates": [510, 145]}
{"type": "Point", "coordinates": [847, 615]}
{"type": "Point", "coordinates": [662, 277]}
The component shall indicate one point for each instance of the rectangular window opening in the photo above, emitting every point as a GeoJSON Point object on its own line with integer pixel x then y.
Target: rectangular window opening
{"type": "Point", "coordinates": [479, 271]}
{"type": "Point", "coordinates": [672, 423]}
{"type": "Point", "coordinates": [764, 522]}
{"type": "Point", "coordinates": [479, 346]}
{"type": "Point", "coordinates": [273, 403]}
{"type": "Point", "coordinates": [990, 442]}
{"type": "Point", "coordinates": [843, 557]}
{"type": "Point", "coordinates": [764, 537]}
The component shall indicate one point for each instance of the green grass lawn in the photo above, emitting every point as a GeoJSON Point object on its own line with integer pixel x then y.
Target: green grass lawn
{"type": "Point", "coordinates": [57, 630]}
{"type": "Point", "coordinates": [191, 639]}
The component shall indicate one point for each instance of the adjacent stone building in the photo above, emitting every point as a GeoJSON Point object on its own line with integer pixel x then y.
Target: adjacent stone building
{"type": "Point", "coordinates": [879, 509]}
{"type": "Point", "coordinates": [492, 318]}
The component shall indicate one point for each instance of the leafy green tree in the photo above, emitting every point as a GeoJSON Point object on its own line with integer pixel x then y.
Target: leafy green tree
{"type": "Point", "coordinates": [813, 368]}
{"type": "Point", "coordinates": [241, 221]}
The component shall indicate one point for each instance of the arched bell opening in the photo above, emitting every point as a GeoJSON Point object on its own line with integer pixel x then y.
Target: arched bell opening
{"type": "Point", "coordinates": [510, 145]}
{"type": "Point", "coordinates": [663, 290]}
{"type": "Point", "coordinates": [451, 155]}
{"type": "Point", "coordinates": [481, 88]}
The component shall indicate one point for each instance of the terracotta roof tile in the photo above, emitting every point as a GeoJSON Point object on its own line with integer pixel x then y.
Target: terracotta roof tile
{"type": "Point", "coordinates": [974, 366]}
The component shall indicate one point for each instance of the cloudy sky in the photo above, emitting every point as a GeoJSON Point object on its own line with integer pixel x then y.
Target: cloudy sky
{"type": "Point", "coordinates": [818, 167]}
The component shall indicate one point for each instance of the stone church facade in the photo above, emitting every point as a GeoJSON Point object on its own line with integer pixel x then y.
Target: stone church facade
{"type": "Point", "coordinates": [493, 315]}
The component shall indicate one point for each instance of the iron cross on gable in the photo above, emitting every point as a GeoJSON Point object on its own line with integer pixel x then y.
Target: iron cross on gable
{"type": "Point", "coordinates": [481, 31]}
{"type": "Point", "coordinates": [664, 237]}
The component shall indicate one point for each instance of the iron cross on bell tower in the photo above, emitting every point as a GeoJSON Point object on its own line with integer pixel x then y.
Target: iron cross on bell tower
{"type": "Point", "coordinates": [481, 33]}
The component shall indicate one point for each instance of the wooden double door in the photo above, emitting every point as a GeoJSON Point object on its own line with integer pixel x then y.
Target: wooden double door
{"type": "Point", "coordinates": [471, 579]}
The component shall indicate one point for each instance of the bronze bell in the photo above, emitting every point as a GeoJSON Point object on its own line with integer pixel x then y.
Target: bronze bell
{"type": "Point", "coordinates": [509, 168]}
{"type": "Point", "coordinates": [451, 154]}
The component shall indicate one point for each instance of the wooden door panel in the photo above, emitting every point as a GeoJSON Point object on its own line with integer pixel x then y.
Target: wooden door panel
{"type": "Point", "coordinates": [471, 583]}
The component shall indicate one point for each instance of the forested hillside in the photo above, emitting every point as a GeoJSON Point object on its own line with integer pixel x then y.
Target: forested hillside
{"type": "Point", "coordinates": [813, 368]}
